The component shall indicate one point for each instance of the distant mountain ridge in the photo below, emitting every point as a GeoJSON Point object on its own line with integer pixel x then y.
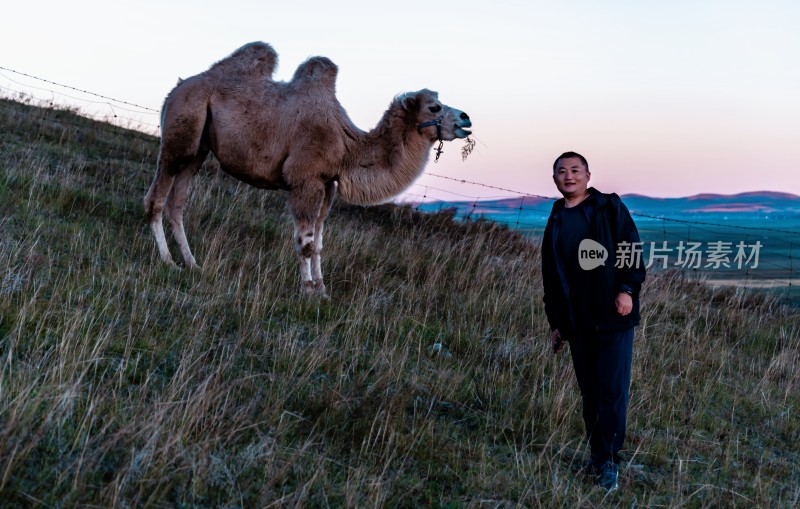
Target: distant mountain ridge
{"type": "Point", "coordinates": [712, 196]}
{"type": "Point", "coordinates": [753, 205]}
{"type": "Point", "coordinates": [753, 202]}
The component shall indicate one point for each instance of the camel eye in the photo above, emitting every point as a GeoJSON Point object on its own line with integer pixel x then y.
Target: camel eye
{"type": "Point", "coordinates": [435, 109]}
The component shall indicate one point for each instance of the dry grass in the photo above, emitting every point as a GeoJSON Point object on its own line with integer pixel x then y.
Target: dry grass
{"type": "Point", "coordinates": [126, 384]}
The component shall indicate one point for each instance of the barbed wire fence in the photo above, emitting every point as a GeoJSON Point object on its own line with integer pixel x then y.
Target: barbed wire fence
{"type": "Point", "coordinates": [760, 257]}
{"type": "Point", "coordinates": [19, 86]}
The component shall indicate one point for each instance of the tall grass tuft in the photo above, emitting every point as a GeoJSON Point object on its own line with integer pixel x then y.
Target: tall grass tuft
{"type": "Point", "coordinates": [427, 380]}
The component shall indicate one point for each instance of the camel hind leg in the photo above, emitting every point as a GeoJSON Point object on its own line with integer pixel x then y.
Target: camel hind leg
{"type": "Point", "coordinates": [182, 124]}
{"type": "Point", "coordinates": [154, 207]}
{"type": "Point", "coordinates": [168, 193]}
{"type": "Point", "coordinates": [176, 203]}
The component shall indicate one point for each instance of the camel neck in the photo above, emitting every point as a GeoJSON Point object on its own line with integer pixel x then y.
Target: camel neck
{"type": "Point", "coordinates": [384, 162]}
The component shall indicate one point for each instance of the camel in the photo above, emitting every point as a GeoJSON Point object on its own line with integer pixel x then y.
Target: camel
{"type": "Point", "coordinates": [293, 136]}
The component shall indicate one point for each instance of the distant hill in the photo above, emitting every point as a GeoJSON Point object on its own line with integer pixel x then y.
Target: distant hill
{"type": "Point", "coordinates": [756, 205]}
{"type": "Point", "coordinates": [758, 202]}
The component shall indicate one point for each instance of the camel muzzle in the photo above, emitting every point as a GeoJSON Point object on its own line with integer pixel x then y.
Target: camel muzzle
{"type": "Point", "coordinates": [467, 123]}
{"type": "Point", "coordinates": [459, 131]}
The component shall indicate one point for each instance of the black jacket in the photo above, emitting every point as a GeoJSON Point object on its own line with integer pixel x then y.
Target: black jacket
{"type": "Point", "coordinates": [609, 224]}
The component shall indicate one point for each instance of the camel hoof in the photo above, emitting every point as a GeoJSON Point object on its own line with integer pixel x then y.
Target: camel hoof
{"type": "Point", "coordinates": [172, 265]}
{"type": "Point", "coordinates": [321, 291]}
{"type": "Point", "coordinates": [308, 289]}
{"type": "Point", "coordinates": [314, 289]}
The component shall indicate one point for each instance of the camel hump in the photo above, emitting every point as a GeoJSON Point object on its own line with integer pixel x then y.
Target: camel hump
{"type": "Point", "coordinates": [255, 58]}
{"type": "Point", "coordinates": [317, 69]}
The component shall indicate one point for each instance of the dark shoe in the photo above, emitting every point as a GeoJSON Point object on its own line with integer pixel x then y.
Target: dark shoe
{"type": "Point", "coordinates": [608, 476]}
{"type": "Point", "coordinates": [591, 467]}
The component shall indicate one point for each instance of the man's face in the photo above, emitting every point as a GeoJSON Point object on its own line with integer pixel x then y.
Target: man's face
{"type": "Point", "coordinates": [571, 177]}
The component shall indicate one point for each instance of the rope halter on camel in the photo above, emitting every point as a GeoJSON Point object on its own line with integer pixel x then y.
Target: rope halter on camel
{"type": "Point", "coordinates": [438, 123]}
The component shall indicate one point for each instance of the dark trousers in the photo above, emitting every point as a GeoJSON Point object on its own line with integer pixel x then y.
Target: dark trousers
{"type": "Point", "coordinates": [602, 362]}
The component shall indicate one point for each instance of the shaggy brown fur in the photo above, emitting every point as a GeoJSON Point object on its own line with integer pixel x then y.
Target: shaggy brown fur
{"type": "Point", "coordinates": [293, 136]}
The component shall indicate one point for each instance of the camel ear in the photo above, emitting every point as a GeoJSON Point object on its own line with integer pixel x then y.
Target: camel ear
{"type": "Point", "coordinates": [411, 102]}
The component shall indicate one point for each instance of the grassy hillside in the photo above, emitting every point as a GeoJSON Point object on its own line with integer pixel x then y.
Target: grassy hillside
{"type": "Point", "coordinates": [126, 384]}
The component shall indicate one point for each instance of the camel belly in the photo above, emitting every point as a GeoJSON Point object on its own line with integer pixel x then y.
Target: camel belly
{"type": "Point", "coordinates": [260, 179]}
{"type": "Point", "coordinates": [239, 159]}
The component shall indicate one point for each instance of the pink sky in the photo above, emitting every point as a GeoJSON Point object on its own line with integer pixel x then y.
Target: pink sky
{"type": "Point", "coordinates": [665, 99]}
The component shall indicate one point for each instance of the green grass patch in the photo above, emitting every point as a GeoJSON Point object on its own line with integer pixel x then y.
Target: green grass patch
{"type": "Point", "coordinates": [426, 380]}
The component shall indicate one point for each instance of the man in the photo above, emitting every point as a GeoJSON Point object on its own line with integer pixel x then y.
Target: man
{"type": "Point", "coordinates": [593, 303]}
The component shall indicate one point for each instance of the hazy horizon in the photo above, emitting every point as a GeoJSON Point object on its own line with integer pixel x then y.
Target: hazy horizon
{"type": "Point", "coordinates": [784, 194]}
{"type": "Point", "coordinates": [664, 100]}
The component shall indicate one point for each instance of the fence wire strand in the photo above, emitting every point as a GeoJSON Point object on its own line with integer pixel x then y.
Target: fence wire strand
{"type": "Point", "coordinates": [530, 218]}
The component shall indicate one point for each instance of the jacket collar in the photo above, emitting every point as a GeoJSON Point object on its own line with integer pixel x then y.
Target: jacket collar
{"type": "Point", "coordinates": [600, 200]}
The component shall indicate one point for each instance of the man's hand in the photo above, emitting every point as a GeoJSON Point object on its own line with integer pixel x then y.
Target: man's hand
{"type": "Point", "coordinates": [624, 303]}
{"type": "Point", "coordinates": [557, 341]}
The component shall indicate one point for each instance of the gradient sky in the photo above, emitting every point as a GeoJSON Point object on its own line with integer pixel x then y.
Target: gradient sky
{"type": "Point", "coordinates": [663, 98]}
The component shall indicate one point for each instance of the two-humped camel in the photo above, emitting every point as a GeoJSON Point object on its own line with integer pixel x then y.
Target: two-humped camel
{"type": "Point", "coordinates": [293, 136]}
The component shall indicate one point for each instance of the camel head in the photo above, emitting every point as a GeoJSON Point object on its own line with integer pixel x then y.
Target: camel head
{"type": "Point", "coordinates": [434, 119]}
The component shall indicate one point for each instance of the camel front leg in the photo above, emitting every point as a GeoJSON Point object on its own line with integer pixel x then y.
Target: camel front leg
{"type": "Point", "coordinates": [304, 245]}
{"type": "Point", "coordinates": [305, 203]}
{"type": "Point", "coordinates": [316, 260]}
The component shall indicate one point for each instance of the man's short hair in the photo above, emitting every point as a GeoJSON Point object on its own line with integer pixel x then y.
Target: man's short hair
{"type": "Point", "coordinates": [570, 154]}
